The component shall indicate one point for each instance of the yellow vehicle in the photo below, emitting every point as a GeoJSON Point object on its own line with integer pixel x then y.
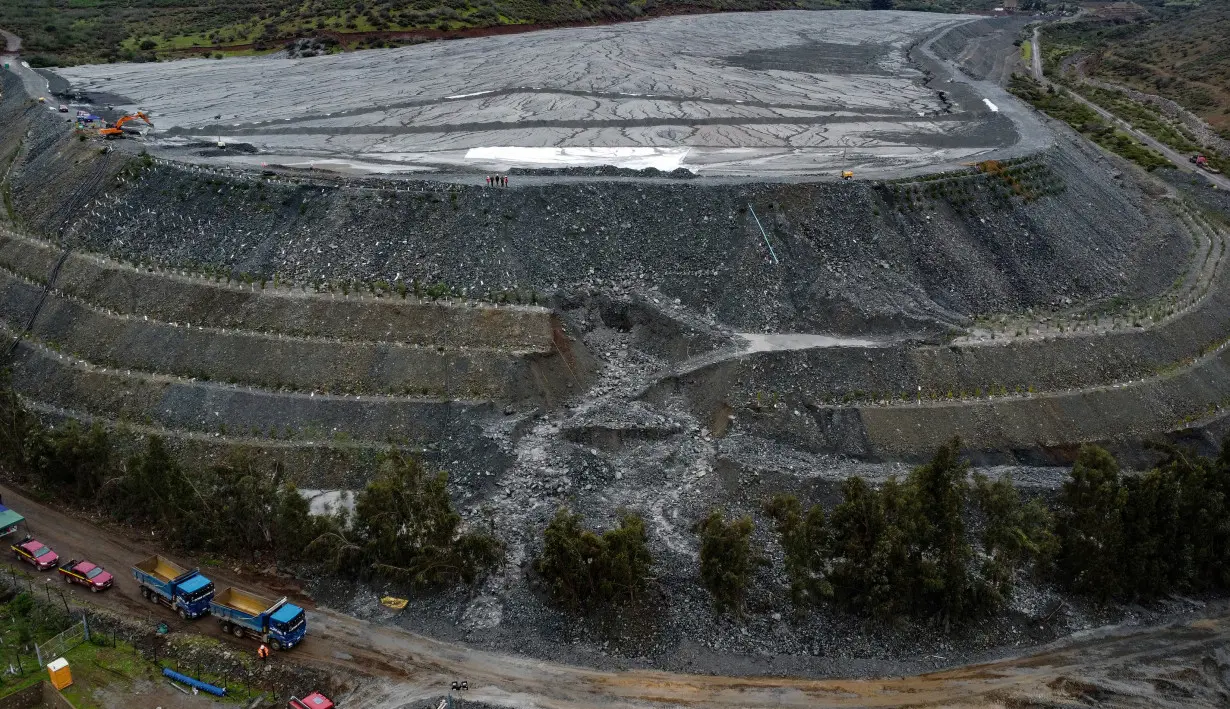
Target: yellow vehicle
{"type": "Point", "coordinates": [847, 174]}
{"type": "Point", "coordinates": [42, 99]}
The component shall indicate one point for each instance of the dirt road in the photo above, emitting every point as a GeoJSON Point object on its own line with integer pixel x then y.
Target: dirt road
{"type": "Point", "coordinates": [1036, 55]}
{"type": "Point", "coordinates": [12, 43]}
{"type": "Point", "coordinates": [1157, 665]}
{"type": "Point", "coordinates": [35, 84]}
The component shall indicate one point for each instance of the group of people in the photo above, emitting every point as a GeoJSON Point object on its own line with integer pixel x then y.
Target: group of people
{"type": "Point", "coordinates": [497, 180]}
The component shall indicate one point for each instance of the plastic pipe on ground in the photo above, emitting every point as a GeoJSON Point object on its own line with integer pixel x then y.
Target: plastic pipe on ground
{"type": "Point", "coordinates": [203, 686]}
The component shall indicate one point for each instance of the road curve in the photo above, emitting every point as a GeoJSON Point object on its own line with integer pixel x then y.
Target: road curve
{"type": "Point", "coordinates": [420, 667]}
{"type": "Point", "coordinates": [12, 43]}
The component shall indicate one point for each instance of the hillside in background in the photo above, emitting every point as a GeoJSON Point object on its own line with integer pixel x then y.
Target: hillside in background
{"type": "Point", "coordinates": [79, 31]}
{"type": "Point", "coordinates": [1181, 52]}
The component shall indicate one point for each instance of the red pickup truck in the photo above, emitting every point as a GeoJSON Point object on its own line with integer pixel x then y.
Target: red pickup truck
{"type": "Point", "coordinates": [315, 700]}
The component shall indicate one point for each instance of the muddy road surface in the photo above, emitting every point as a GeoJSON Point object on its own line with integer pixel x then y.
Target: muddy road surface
{"type": "Point", "coordinates": [1185, 664]}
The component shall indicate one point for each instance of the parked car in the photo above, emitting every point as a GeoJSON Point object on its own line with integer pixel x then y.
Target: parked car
{"type": "Point", "coordinates": [315, 700]}
{"type": "Point", "coordinates": [63, 108]}
{"type": "Point", "coordinates": [36, 552]}
{"type": "Point", "coordinates": [86, 573]}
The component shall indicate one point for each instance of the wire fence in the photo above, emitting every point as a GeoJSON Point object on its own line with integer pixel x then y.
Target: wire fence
{"type": "Point", "coordinates": [76, 634]}
{"type": "Point", "coordinates": [54, 614]}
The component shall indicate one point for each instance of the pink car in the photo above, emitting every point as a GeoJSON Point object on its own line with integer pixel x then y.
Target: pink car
{"type": "Point", "coordinates": [87, 574]}
{"type": "Point", "coordinates": [36, 552]}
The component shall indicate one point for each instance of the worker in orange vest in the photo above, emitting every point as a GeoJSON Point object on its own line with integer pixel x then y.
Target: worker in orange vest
{"type": "Point", "coordinates": [263, 652]}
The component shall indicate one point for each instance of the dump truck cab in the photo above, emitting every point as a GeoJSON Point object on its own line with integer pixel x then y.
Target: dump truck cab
{"type": "Point", "coordinates": [288, 625]}
{"type": "Point", "coordinates": [163, 581]}
{"type": "Point", "coordinates": [242, 613]}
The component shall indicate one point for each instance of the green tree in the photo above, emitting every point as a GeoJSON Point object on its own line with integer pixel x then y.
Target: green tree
{"type": "Point", "coordinates": [155, 491]}
{"type": "Point", "coordinates": [1152, 559]}
{"type": "Point", "coordinates": [936, 503]}
{"type": "Point", "coordinates": [1203, 541]}
{"type": "Point", "coordinates": [870, 554]}
{"type": "Point", "coordinates": [726, 559]}
{"type": "Point", "coordinates": [295, 528]}
{"type": "Point", "coordinates": [805, 540]}
{"type": "Point", "coordinates": [20, 431]}
{"type": "Point", "coordinates": [1090, 525]}
{"type": "Point", "coordinates": [585, 569]}
{"type": "Point", "coordinates": [1014, 534]}
{"type": "Point", "coordinates": [74, 459]}
{"type": "Point", "coordinates": [407, 528]}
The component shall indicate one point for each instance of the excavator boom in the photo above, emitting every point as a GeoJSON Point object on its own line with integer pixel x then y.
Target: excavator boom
{"type": "Point", "coordinates": [117, 130]}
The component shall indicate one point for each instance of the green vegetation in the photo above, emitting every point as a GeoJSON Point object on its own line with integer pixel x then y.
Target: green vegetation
{"type": "Point", "coordinates": [988, 185]}
{"type": "Point", "coordinates": [1059, 105]}
{"type": "Point", "coordinates": [105, 661]}
{"type": "Point", "coordinates": [903, 549]}
{"type": "Point", "coordinates": [805, 539]}
{"type": "Point", "coordinates": [726, 559]}
{"type": "Point", "coordinates": [404, 526]}
{"type": "Point", "coordinates": [1177, 50]}
{"type": "Point", "coordinates": [1149, 119]}
{"type": "Point", "coordinates": [1015, 535]}
{"type": "Point", "coordinates": [586, 570]}
{"type": "Point", "coordinates": [1148, 535]}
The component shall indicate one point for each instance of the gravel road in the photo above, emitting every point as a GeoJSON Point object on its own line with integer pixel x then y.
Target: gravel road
{"type": "Point", "coordinates": [1115, 664]}
{"type": "Point", "coordinates": [12, 43]}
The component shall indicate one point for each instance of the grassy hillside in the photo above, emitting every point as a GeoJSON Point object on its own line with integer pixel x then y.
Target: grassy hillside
{"type": "Point", "coordinates": [1180, 51]}
{"type": "Point", "coordinates": [75, 31]}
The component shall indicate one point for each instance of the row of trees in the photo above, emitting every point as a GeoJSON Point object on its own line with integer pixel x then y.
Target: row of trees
{"type": "Point", "coordinates": [906, 547]}
{"type": "Point", "coordinates": [938, 544]}
{"type": "Point", "coordinates": [404, 525]}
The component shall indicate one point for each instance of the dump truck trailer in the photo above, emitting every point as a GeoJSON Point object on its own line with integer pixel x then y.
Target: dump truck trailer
{"type": "Point", "coordinates": [163, 581]}
{"type": "Point", "coordinates": [281, 624]}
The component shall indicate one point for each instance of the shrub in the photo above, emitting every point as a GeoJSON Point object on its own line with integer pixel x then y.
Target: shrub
{"type": "Point", "coordinates": [726, 559]}
{"type": "Point", "coordinates": [1090, 525]}
{"type": "Point", "coordinates": [586, 570]}
{"type": "Point", "coordinates": [805, 541]}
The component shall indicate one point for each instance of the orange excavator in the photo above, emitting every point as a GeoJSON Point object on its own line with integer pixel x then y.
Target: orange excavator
{"type": "Point", "coordinates": [117, 130]}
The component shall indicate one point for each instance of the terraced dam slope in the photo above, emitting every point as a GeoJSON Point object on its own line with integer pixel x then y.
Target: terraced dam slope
{"type": "Point", "coordinates": [227, 304]}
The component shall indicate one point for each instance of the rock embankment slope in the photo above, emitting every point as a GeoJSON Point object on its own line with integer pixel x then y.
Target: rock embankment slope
{"type": "Point", "coordinates": [214, 302]}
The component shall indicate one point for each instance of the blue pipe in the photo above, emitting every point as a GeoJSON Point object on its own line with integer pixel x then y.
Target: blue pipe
{"type": "Point", "coordinates": [203, 686]}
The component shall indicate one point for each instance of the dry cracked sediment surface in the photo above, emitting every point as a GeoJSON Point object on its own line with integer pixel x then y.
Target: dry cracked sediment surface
{"type": "Point", "coordinates": [780, 93]}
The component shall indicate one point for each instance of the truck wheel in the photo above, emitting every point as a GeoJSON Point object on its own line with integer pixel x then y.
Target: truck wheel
{"type": "Point", "coordinates": [145, 593]}
{"type": "Point", "coordinates": [226, 627]}
{"type": "Point", "coordinates": [68, 579]}
{"type": "Point", "coordinates": [238, 631]}
{"type": "Point", "coordinates": [183, 614]}
{"type": "Point", "coordinates": [153, 597]}
{"type": "Point", "coordinates": [94, 589]}
{"type": "Point", "coordinates": [275, 644]}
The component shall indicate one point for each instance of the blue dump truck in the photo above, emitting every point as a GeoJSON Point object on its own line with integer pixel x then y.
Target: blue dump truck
{"type": "Point", "coordinates": [281, 624]}
{"type": "Point", "coordinates": [163, 581]}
